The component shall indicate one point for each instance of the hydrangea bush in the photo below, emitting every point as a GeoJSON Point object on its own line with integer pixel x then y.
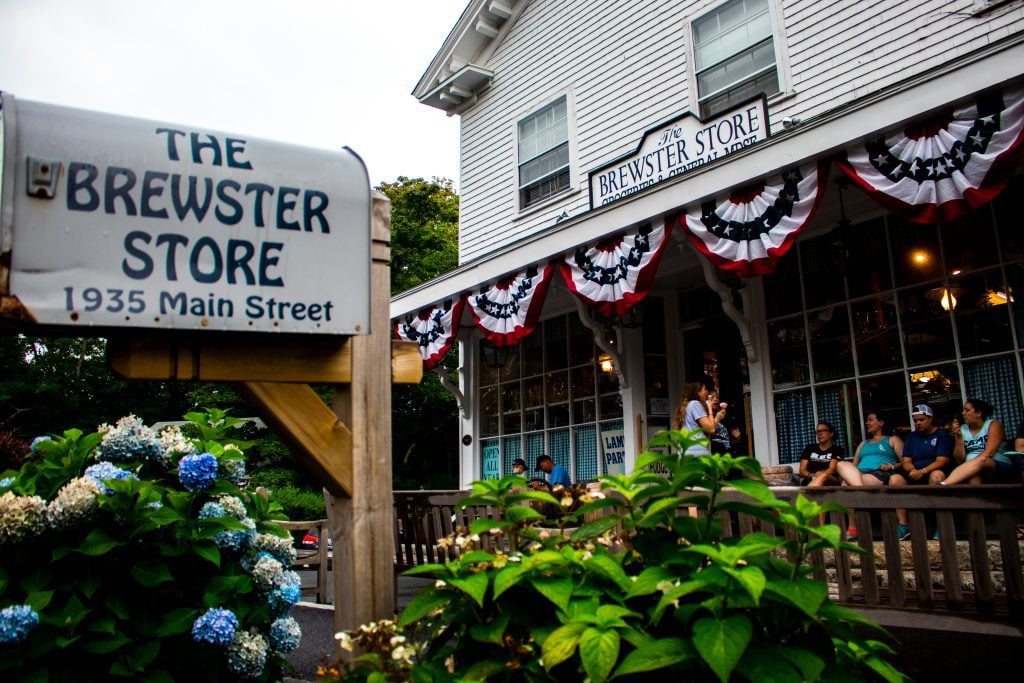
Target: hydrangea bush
{"type": "Point", "coordinates": [630, 586]}
{"type": "Point", "coordinates": [132, 554]}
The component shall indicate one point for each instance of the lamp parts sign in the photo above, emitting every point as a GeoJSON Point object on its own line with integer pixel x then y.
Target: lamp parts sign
{"type": "Point", "coordinates": [677, 147]}
{"type": "Point", "coordinates": [119, 222]}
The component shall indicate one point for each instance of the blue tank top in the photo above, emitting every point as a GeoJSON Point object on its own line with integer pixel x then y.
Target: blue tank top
{"type": "Point", "coordinates": [874, 454]}
{"type": "Point", "coordinates": [974, 444]}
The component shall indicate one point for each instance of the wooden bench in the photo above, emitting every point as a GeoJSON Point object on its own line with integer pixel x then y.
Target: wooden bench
{"type": "Point", "coordinates": [318, 559]}
{"type": "Point", "coordinates": [917, 583]}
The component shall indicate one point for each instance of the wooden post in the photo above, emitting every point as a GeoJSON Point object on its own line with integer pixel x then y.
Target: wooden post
{"type": "Point", "coordinates": [361, 525]}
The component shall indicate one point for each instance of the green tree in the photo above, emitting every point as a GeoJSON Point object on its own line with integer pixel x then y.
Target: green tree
{"type": "Point", "coordinates": [424, 244]}
{"type": "Point", "coordinates": [424, 230]}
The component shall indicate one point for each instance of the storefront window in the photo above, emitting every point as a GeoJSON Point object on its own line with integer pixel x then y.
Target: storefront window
{"type": "Point", "coordinates": [934, 314]}
{"type": "Point", "coordinates": [548, 398]}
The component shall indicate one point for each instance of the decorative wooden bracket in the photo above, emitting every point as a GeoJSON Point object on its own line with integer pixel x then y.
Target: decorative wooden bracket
{"type": "Point", "coordinates": [601, 342]}
{"type": "Point", "coordinates": [711, 277]}
{"type": "Point", "coordinates": [460, 400]}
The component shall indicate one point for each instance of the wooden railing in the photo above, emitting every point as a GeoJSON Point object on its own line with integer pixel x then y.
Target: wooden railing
{"type": "Point", "coordinates": [969, 578]}
{"type": "Point", "coordinates": [312, 559]}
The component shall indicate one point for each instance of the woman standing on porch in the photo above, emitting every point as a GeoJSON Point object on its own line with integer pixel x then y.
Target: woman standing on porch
{"type": "Point", "coordinates": [692, 412]}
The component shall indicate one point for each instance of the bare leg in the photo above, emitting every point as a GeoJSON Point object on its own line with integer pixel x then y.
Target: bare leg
{"type": "Point", "coordinates": [901, 513]}
{"type": "Point", "coordinates": [849, 474]}
{"type": "Point", "coordinates": [935, 476]}
{"type": "Point", "coordinates": [970, 471]}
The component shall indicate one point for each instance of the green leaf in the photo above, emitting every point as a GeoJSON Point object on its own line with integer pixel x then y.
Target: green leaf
{"type": "Point", "coordinates": [805, 594]}
{"type": "Point", "coordinates": [221, 588]}
{"type": "Point", "coordinates": [810, 665]}
{"type": "Point", "coordinates": [98, 542]}
{"type": "Point", "coordinates": [480, 671]}
{"type": "Point", "coordinates": [757, 490]}
{"type": "Point", "coordinates": [595, 528]}
{"type": "Point", "coordinates": [659, 654]}
{"type": "Point", "coordinates": [208, 551]}
{"type": "Point", "coordinates": [761, 663]}
{"type": "Point", "coordinates": [143, 656]}
{"type": "Point", "coordinates": [107, 645]}
{"type": "Point", "coordinates": [751, 578]}
{"type": "Point", "coordinates": [435, 569]}
{"type": "Point", "coordinates": [599, 651]}
{"type": "Point", "coordinates": [177, 621]}
{"type": "Point", "coordinates": [721, 642]}
{"type": "Point", "coordinates": [561, 644]}
{"type": "Point", "coordinates": [423, 604]}
{"type": "Point", "coordinates": [557, 589]}
{"type": "Point", "coordinates": [492, 631]}
{"type": "Point", "coordinates": [150, 573]}
{"type": "Point", "coordinates": [74, 611]}
{"type": "Point", "coordinates": [105, 624]}
{"type": "Point", "coordinates": [507, 577]}
{"type": "Point", "coordinates": [38, 600]}
{"type": "Point", "coordinates": [829, 532]}
{"type": "Point", "coordinates": [521, 513]}
{"type": "Point", "coordinates": [474, 585]}
{"type": "Point", "coordinates": [604, 566]}
{"type": "Point", "coordinates": [648, 581]}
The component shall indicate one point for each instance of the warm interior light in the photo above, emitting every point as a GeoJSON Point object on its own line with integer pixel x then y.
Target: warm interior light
{"type": "Point", "coordinates": [948, 301]}
{"type": "Point", "coordinates": [923, 376]}
{"type": "Point", "coordinates": [604, 361]}
{"type": "Point", "coordinates": [920, 257]}
{"type": "Point", "coordinates": [997, 298]}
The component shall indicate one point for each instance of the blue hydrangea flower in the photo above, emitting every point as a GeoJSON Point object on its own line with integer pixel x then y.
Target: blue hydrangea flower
{"type": "Point", "coordinates": [287, 593]}
{"type": "Point", "coordinates": [215, 626]}
{"type": "Point", "coordinates": [131, 439]}
{"type": "Point", "coordinates": [15, 623]}
{"type": "Point", "coordinates": [211, 510]}
{"type": "Point", "coordinates": [234, 471]}
{"type": "Point", "coordinates": [285, 634]}
{"type": "Point", "coordinates": [104, 471]}
{"type": "Point", "coordinates": [236, 539]}
{"type": "Point", "coordinates": [38, 440]}
{"type": "Point", "coordinates": [6, 482]}
{"type": "Point", "coordinates": [277, 547]}
{"type": "Point", "coordinates": [197, 472]}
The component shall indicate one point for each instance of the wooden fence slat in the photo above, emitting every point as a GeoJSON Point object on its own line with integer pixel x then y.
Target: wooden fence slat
{"type": "Point", "coordinates": [865, 539]}
{"type": "Point", "coordinates": [746, 524]}
{"type": "Point", "coordinates": [1010, 548]}
{"type": "Point", "coordinates": [817, 558]}
{"type": "Point", "coordinates": [843, 576]}
{"type": "Point", "coordinates": [893, 559]}
{"type": "Point", "coordinates": [983, 588]}
{"type": "Point", "coordinates": [919, 551]}
{"type": "Point", "coordinates": [950, 560]}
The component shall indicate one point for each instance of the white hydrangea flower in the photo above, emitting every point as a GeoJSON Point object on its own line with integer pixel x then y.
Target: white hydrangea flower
{"type": "Point", "coordinates": [267, 573]}
{"type": "Point", "coordinates": [174, 441]}
{"type": "Point", "coordinates": [74, 505]}
{"type": "Point", "coordinates": [21, 517]}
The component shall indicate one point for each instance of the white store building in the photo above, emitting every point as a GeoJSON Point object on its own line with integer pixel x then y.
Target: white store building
{"type": "Point", "coordinates": [814, 202]}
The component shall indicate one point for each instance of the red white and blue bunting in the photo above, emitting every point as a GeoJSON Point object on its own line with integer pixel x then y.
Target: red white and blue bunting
{"type": "Point", "coordinates": [943, 168]}
{"type": "Point", "coordinates": [614, 275]}
{"type": "Point", "coordinates": [433, 329]}
{"type": "Point", "coordinates": [509, 309]}
{"type": "Point", "coordinates": [751, 229]}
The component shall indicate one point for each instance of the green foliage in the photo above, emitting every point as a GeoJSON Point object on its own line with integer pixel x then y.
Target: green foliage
{"type": "Point", "coordinates": [298, 504]}
{"type": "Point", "coordinates": [629, 586]}
{"type": "Point", "coordinates": [119, 571]}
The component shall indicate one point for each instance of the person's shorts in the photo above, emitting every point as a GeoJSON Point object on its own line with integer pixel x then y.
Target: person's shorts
{"type": "Point", "coordinates": [922, 480]}
{"type": "Point", "coordinates": [880, 475]}
{"type": "Point", "coordinates": [832, 481]}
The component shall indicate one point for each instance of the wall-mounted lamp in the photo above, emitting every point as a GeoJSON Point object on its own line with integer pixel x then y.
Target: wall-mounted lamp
{"type": "Point", "coordinates": [946, 296]}
{"type": "Point", "coordinates": [604, 362]}
{"type": "Point", "coordinates": [494, 356]}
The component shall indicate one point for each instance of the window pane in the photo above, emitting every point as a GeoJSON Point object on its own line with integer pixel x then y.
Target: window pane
{"type": "Point", "coordinates": [830, 343]}
{"type": "Point", "coordinates": [544, 165]}
{"type": "Point", "coordinates": [533, 420]}
{"type": "Point", "coordinates": [489, 411]}
{"type": "Point", "coordinates": [533, 355]}
{"type": "Point", "coordinates": [915, 251]}
{"type": "Point", "coordinates": [558, 415]}
{"type": "Point", "coordinates": [558, 387]}
{"type": "Point", "coordinates": [1009, 211]}
{"type": "Point", "coordinates": [555, 343]}
{"type": "Point", "coordinates": [927, 327]}
{"type": "Point", "coordinates": [767, 83]}
{"type": "Point", "coordinates": [818, 259]}
{"type": "Point", "coordinates": [887, 393]}
{"type": "Point", "coordinates": [874, 325]}
{"type": "Point", "coordinates": [995, 380]}
{"type": "Point", "coordinates": [837, 404]}
{"type": "Point", "coordinates": [782, 288]}
{"type": "Point", "coordinates": [584, 411]}
{"type": "Point", "coordinates": [982, 319]}
{"type": "Point", "coordinates": [1015, 281]}
{"type": "Point", "coordinates": [969, 243]}
{"type": "Point", "coordinates": [937, 386]}
{"type": "Point", "coordinates": [611, 407]}
{"type": "Point", "coordinates": [544, 188]}
{"type": "Point", "coordinates": [581, 342]}
{"type": "Point", "coordinates": [788, 351]}
{"type": "Point", "coordinates": [794, 424]}
{"type": "Point", "coordinates": [585, 439]}
{"type": "Point", "coordinates": [737, 68]}
{"type": "Point", "coordinates": [511, 368]}
{"type": "Point", "coordinates": [607, 382]}
{"type": "Point", "coordinates": [583, 381]}
{"type": "Point", "coordinates": [533, 391]}
{"type": "Point", "coordinates": [543, 130]}
{"type": "Point", "coordinates": [867, 258]}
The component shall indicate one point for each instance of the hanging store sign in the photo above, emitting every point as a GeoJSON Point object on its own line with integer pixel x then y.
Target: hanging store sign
{"type": "Point", "coordinates": [678, 147]}
{"type": "Point", "coordinates": [118, 222]}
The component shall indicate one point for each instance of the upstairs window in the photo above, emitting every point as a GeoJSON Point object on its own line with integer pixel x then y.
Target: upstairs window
{"type": "Point", "coordinates": [544, 153]}
{"type": "Point", "coordinates": [734, 55]}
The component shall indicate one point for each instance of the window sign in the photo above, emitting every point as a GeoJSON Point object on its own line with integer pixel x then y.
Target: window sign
{"type": "Point", "coordinates": [678, 147]}
{"type": "Point", "coordinates": [119, 222]}
{"type": "Point", "coordinates": [613, 450]}
{"type": "Point", "coordinates": [491, 453]}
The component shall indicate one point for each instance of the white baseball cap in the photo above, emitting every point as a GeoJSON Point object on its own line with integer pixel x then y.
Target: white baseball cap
{"type": "Point", "coordinates": [922, 409]}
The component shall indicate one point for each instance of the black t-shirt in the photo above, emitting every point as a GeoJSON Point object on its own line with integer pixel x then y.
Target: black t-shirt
{"type": "Point", "coordinates": [819, 459]}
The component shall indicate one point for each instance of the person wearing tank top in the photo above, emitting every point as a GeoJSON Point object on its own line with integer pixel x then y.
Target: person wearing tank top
{"type": "Point", "coordinates": [981, 444]}
{"type": "Point", "coordinates": [877, 463]}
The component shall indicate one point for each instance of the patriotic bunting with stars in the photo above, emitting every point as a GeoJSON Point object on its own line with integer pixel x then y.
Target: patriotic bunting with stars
{"type": "Point", "coordinates": [434, 329]}
{"type": "Point", "coordinates": [748, 231]}
{"type": "Point", "coordinates": [614, 275]}
{"type": "Point", "coordinates": [943, 168]}
{"type": "Point", "coordinates": [508, 310]}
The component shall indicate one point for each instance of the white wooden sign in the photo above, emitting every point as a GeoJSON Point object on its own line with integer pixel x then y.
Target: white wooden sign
{"type": "Point", "coordinates": [111, 221]}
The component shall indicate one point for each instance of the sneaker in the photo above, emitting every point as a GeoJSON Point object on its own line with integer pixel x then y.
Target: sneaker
{"type": "Point", "coordinates": [851, 534]}
{"type": "Point", "coordinates": [903, 531]}
{"type": "Point", "coordinates": [935, 536]}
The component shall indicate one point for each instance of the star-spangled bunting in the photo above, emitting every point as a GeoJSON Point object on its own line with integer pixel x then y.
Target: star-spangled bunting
{"type": "Point", "coordinates": [748, 231]}
{"type": "Point", "coordinates": [508, 310]}
{"type": "Point", "coordinates": [614, 275]}
{"type": "Point", "coordinates": [943, 168]}
{"type": "Point", "coordinates": [434, 329]}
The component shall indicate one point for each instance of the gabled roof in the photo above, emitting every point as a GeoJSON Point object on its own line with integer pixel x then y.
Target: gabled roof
{"type": "Point", "coordinates": [458, 72]}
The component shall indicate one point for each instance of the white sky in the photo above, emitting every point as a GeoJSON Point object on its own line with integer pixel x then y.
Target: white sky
{"type": "Point", "coordinates": [322, 73]}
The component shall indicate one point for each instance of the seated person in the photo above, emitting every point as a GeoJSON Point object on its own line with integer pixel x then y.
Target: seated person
{"type": "Point", "coordinates": [928, 450]}
{"type": "Point", "coordinates": [518, 466]}
{"type": "Point", "coordinates": [877, 458]}
{"type": "Point", "coordinates": [819, 460]}
{"type": "Point", "coordinates": [981, 442]}
{"type": "Point", "coordinates": [557, 476]}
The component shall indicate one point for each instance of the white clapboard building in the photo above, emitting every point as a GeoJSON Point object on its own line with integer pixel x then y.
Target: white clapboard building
{"type": "Point", "coordinates": [815, 202]}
